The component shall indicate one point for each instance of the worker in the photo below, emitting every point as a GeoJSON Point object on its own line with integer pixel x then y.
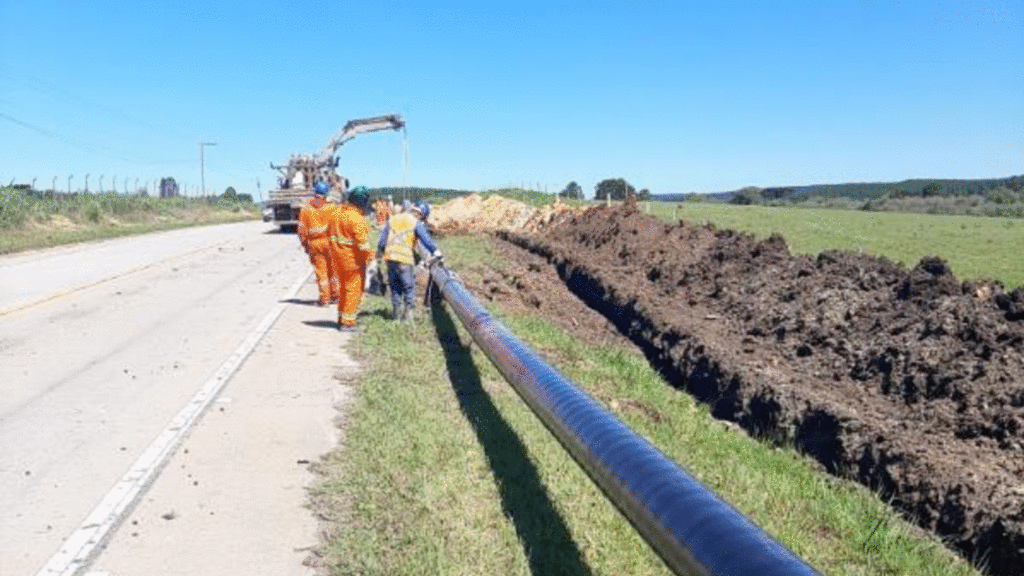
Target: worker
{"type": "Point", "coordinates": [350, 248]}
{"type": "Point", "coordinates": [396, 248]}
{"type": "Point", "coordinates": [312, 232]}
{"type": "Point", "coordinates": [381, 211]}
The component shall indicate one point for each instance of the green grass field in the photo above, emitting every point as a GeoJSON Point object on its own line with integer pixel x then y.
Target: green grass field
{"type": "Point", "coordinates": [976, 247]}
{"type": "Point", "coordinates": [444, 470]}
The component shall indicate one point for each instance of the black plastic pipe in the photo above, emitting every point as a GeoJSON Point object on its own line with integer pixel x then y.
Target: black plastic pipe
{"type": "Point", "coordinates": [693, 530]}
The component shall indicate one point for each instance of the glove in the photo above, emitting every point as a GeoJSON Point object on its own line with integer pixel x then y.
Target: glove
{"type": "Point", "coordinates": [436, 256]}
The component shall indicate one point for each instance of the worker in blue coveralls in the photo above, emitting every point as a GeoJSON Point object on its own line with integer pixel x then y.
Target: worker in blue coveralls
{"type": "Point", "coordinates": [396, 247]}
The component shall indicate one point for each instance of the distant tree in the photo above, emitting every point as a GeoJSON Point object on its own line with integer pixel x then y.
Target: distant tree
{"type": "Point", "coordinates": [230, 194]}
{"type": "Point", "coordinates": [746, 196]}
{"type": "Point", "coordinates": [930, 190]}
{"type": "Point", "coordinates": [776, 193]}
{"type": "Point", "coordinates": [168, 187]}
{"type": "Point", "coordinates": [616, 188]}
{"type": "Point", "coordinates": [644, 195]}
{"type": "Point", "coordinates": [572, 190]}
{"type": "Point", "coordinates": [1003, 195]}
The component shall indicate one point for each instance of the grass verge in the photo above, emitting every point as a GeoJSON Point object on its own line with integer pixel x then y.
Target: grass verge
{"type": "Point", "coordinates": [33, 221]}
{"type": "Point", "coordinates": [444, 470]}
{"type": "Point", "coordinates": [976, 247]}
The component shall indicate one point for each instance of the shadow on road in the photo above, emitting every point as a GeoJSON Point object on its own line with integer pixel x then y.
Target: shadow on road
{"type": "Point", "coordinates": [545, 537]}
{"type": "Point", "coordinates": [302, 301]}
{"type": "Point", "coordinates": [332, 324]}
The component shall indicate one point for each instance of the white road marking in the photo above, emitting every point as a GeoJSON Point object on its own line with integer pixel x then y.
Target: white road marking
{"type": "Point", "coordinates": [80, 549]}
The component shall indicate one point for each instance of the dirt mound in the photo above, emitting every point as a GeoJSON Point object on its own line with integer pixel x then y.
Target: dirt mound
{"type": "Point", "coordinates": [473, 213]}
{"type": "Point", "coordinates": [909, 381]}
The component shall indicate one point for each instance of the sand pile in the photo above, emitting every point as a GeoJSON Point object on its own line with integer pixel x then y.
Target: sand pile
{"type": "Point", "coordinates": [473, 213]}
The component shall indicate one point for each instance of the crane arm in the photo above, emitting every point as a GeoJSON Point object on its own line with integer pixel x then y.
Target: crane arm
{"type": "Point", "coordinates": [354, 127]}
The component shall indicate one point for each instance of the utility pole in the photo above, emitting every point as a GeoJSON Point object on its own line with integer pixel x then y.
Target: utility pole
{"type": "Point", "coordinates": [202, 169]}
{"type": "Point", "coordinates": [101, 183]}
{"type": "Point", "coordinates": [69, 183]}
{"type": "Point", "coordinates": [87, 183]}
{"type": "Point", "coordinates": [114, 185]}
{"type": "Point", "coordinates": [54, 187]}
{"type": "Point", "coordinates": [259, 192]}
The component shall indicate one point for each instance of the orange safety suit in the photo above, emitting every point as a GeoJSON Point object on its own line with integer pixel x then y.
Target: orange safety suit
{"type": "Point", "coordinates": [350, 249]}
{"type": "Point", "coordinates": [382, 209]}
{"type": "Point", "coordinates": [312, 232]}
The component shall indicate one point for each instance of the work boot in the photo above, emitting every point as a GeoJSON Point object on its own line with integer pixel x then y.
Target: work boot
{"type": "Point", "coordinates": [398, 313]}
{"type": "Point", "coordinates": [410, 316]}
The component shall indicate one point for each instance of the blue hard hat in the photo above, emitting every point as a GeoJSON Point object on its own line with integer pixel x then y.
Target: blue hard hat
{"type": "Point", "coordinates": [423, 208]}
{"type": "Point", "coordinates": [320, 188]}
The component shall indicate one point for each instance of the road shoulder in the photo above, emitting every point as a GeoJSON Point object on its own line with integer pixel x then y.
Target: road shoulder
{"type": "Point", "coordinates": [233, 498]}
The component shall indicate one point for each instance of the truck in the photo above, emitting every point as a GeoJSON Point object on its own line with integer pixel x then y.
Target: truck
{"type": "Point", "coordinates": [302, 171]}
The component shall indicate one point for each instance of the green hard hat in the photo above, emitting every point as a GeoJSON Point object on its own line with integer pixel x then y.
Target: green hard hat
{"type": "Point", "coordinates": [360, 196]}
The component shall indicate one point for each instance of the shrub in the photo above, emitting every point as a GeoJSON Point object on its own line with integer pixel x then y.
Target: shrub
{"type": "Point", "coordinates": [92, 212]}
{"type": "Point", "coordinates": [13, 208]}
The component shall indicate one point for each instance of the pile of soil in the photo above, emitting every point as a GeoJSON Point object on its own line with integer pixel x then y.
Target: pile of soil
{"type": "Point", "coordinates": [906, 380]}
{"type": "Point", "coordinates": [474, 214]}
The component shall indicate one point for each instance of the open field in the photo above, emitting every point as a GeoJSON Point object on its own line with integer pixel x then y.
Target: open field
{"type": "Point", "coordinates": [976, 247]}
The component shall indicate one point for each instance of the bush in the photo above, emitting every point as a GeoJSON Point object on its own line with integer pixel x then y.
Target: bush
{"type": "Point", "coordinates": [13, 208]}
{"type": "Point", "coordinates": [92, 212]}
{"type": "Point", "coordinates": [1003, 195]}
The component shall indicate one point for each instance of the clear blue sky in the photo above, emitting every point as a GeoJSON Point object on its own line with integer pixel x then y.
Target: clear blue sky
{"type": "Point", "coordinates": [673, 96]}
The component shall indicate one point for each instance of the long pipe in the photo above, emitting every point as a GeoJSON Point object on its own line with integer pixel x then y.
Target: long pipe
{"type": "Point", "coordinates": [693, 530]}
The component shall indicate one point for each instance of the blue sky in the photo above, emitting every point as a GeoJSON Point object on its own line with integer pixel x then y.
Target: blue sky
{"type": "Point", "coordinates": [673, 96]}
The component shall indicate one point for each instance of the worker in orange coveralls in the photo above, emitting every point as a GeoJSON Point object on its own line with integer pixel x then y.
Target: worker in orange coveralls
{"type": "Point", "coordinates": [312, 231]}
{"type": "Point", "coordinates": [382, 209]}
{"type": "Point", "coordinates": [350, 248]}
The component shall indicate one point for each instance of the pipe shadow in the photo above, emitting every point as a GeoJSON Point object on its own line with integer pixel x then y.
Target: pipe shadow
{"type": "Point", "coordinates": [545, 537]}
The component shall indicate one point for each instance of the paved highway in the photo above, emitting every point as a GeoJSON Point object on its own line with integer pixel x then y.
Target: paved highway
{"type": "Point", "coordinates": [102, 346]}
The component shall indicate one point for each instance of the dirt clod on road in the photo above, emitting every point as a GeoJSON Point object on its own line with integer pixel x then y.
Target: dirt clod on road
{"type": "Point", "coordinates": [906, 380]}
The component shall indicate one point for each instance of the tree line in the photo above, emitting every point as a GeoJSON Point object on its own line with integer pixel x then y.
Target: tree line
{"type": "Point", "coordinates": [998, 190]}
{"type": "Point", "coordinates": [614, 188]}
{"type": "Point", "coordinates": [609, 188]}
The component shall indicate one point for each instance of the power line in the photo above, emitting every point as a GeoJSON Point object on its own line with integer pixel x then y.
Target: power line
{"type": "Point", "coordinates": [63, 94]}
{"type": "Point", "coordinates": [98, 150]}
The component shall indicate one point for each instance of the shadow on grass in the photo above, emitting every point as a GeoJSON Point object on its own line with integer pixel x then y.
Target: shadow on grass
{"type": "Point", "coordinates": [541, 529]}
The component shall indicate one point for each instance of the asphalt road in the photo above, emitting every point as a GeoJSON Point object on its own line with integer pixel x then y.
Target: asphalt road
{"type": "Point", "coordinates": [104, 346]}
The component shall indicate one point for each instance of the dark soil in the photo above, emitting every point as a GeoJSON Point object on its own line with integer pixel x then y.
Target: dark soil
{"type": "Point", "coordinates": [905, 380]}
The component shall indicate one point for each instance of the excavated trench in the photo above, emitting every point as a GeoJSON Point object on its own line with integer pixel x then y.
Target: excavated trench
{"type": "Point", "coordinates": [905, 380]}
